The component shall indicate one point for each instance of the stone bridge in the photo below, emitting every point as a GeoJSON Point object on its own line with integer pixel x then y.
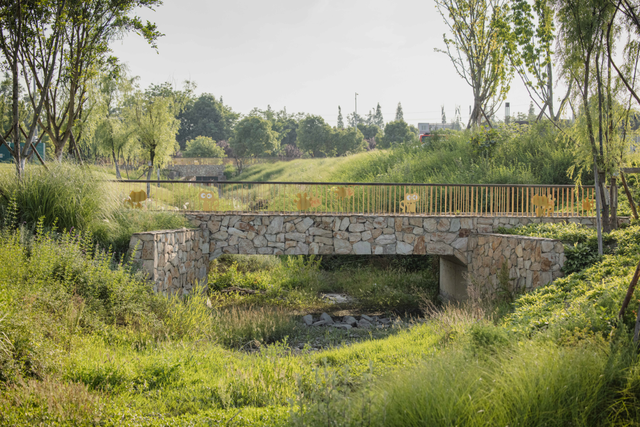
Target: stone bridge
{"type": "Point", "coordinates": [468, 246]}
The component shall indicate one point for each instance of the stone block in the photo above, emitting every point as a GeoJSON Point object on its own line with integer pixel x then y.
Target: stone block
{"type": "Point", "coordinates": [455, 225]}
{"type": "Point", "coordinates": [298, 237]}
{"type": "Point", "coordinates": [439, 248]}
{"type": "Point", "coordinates": [460, 243]}
{"type": "Point", "coordinates": [276, 225]}
{"type": "Point", "coordinates": [403, 248]}
{"type": "Point", "coordinates": [323, 240]}
{"type": "Point", "coordinates": [443, 224]}
{"type": "Point", "coordinates": [220, 235]}
{"type": "Point", "coordinates": [148, 250]}
{"type": "Point", "coordinates": [390, 249]}
{"type": "Point", "coordinates": [547, 245]}
{"type": "Point", "coordinates": [362, 248]}
{"type": "Point", "coordinates": [326, 250]}
{"type": "Point", "coordinates": [386, 239]}
{"type": "Point", "coordinates": [415, 222]}
{"type": "Point", "coordinates": [314, 231]}
{"type": "Point", "coordinates": [355, 237]}
{"type": "Point", "coordinates": [342, 246]}
{"type": "Point", "coordinates": [304, 225]}
{"type": "Point", "coordinates": [367, 235]}
{"type": "Point", "coordinates": [356, 228]}
{"type": "Point", "coordinates": [260, 242]}
{"type": "Point", "coordinates": [419, 247]}
{"type": "Point", "coordinates": [344, 235]}
{"type": "Point", "coordinates": [379, 222]}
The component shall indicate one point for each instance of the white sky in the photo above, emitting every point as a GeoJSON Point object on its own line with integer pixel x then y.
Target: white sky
{"type": "Point", "coordinates": [308, 56]}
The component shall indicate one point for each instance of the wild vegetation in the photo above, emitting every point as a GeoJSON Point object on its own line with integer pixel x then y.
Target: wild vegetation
{"type": "Point", "coordinates": [85, 341]}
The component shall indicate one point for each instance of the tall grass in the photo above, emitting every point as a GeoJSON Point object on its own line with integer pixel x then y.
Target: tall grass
{"type": "Point", "coordinates": [69, 197]}
{"type": "Point", "coordinates": [66, 195]}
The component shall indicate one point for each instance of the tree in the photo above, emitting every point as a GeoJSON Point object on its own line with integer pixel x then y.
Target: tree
{"type": "Point", "coordinates": [396, 132]}
{"type": "Point", "coordinates": [369, 131]}
{"type": "Point", "coordinates": [354, 118]}
{"type": "Point", "coordinates": [89, 28]}
{"type": "Point", "coordinates": [285, 124]}
{"type": "Point", "coordinates": [340, 119]}
{"type": "Point", "coordinates": [478, 49]}
{"type": "Point", "coordinates": [314, 136]}
{"type": "Point", "coordinates": [253, 137]}
{"type": "Point", "coordinates": [348, 141]}
{"type": "Point", "coordinates": [206, 116]}
{"type": "Point", "coordinates": [110, 131]}
{"type": "Point", "coordinates": [532, 26]}
{"type": "Point", "coordinates": [203, 146]}
{"type": "Point", "coordinates": [399, 113]}
{"type": "Point", "coordinates": [582, 50]}
{"type": "Point", "coordinates": [25, 32]}
{"type": "Point", "coordinates": [444, 115]}
{"type": "Point", "coordinates": [378, 120]}
{"type": "Point", "coordinates": [154, 121]}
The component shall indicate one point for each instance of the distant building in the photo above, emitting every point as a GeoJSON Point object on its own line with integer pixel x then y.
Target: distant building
{"type": "Point", "coordinates": [427, 128]}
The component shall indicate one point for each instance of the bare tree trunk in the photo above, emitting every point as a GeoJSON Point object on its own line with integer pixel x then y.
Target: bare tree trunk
{"type": "Point", "coordinates": [115, 162]}
{"type": "Point", "coordinates": [15, 107]}
{"type": "Point", "coordinates": [598, 205]}
{"type": "Point", "coordinates": [152, 156]}
{"type": "Point", "coordinates": [613, 201]}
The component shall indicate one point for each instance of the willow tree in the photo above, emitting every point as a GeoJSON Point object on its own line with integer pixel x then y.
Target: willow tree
{"type": "Point", "coordinates": [153, 119]}
{"type": "Point", "coordinates": [478, 45]}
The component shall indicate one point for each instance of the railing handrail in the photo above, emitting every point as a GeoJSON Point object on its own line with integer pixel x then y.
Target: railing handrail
{"type": "Point", "coordinates": [167, 181]}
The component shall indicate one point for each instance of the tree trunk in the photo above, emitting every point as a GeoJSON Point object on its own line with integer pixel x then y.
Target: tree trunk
{"type": "Point", "coordinates": [613, 201]}
{"type": "Point", "coordinates": [598, 205]}
{"type": "Point", "coordinates": [115, 162]}
{"type": "Point", "coordinates": [15, 110]}
{"type": "Point", "coordinates": [604, 196]}
{"type": "Point", "coordinates": [152, 155]}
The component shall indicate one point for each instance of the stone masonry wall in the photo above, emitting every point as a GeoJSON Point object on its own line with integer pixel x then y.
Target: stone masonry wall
{"type": "Point", "coordinates": [176, 259]}
{"type": "Point", "coordinates": [198, 170]}
{"type": "Point", "coordinates": [173, 259]}
{"type": "Point", "coordinates": [531, 261]}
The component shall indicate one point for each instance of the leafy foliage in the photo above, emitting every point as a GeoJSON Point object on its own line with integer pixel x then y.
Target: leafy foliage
{"type": "Point", "coordinates": [206, 116]}
{"type": "Point", "coordinates": [203, 146]}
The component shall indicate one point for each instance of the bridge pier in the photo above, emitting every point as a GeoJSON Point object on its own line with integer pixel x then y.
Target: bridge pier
{"type": "Point", "coordinates": [453, 278]}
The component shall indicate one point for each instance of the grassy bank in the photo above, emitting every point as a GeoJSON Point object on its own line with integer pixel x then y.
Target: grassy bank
{"type": "Point", "coordinates": [85, 341]}
{"type": "Point", "coordinates": [535, 154]}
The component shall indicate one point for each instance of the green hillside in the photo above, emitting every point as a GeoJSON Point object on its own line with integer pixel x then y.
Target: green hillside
{"type": "Point", "coordinates": [536, 154]}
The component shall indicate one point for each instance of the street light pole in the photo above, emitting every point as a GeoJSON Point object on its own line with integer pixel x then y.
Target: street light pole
{"type": "Point", "coordinates": [355, 117]}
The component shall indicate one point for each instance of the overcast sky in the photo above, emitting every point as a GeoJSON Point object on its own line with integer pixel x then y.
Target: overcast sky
{"type": "Point", "coordinates": [308, 56]}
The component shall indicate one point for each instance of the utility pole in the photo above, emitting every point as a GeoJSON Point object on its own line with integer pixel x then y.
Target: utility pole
{"type": "Point", "coordinates": [355, 116]}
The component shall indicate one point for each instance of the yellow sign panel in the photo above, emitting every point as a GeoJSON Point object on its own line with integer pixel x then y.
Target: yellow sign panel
{"type": "Point", "coordinates": [136, 198]}
{"type": "Point", "coordinates": [210, 202]}
{"type": "Point", "coordinates": [343, 192]}
{"type": "Point", "coordinates": [305, 202]}
{"type": "Point", "coordinates": [543, 205]}
{"type": "Point", "coordinates": [408, 205]}
{"type": "Point", "coordinates": [587, 205]}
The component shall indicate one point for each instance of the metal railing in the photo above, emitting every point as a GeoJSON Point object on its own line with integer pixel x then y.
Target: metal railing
{"type": "Point", "coordinates": [367, 198]}
{"type": "Point", "coordinates": [247, 161]}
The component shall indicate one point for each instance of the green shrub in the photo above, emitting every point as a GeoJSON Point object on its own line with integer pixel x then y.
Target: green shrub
{"type": "Point", "coordinates": [203, 146]}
